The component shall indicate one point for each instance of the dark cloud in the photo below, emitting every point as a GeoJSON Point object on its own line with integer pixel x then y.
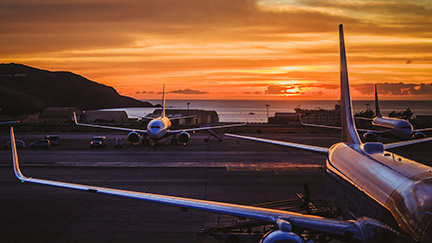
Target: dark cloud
{"type": "Point", "coordinates": [188, 91]}
{"type": "Point", "coordinates": [395, 89]}
{"type": "Point", "coordinates": [137, 92]}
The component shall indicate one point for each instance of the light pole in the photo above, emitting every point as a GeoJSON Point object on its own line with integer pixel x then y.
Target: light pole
{"type": "Point", "coordinates": [267, 105]}
{"type": "Point", "coordinates": [188, 107]}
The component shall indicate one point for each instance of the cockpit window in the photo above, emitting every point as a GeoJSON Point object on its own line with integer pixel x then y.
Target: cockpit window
{"type": "Point", "coordinates": [155, 127]}
{"type": "Point", "coordinates": [405, 127]}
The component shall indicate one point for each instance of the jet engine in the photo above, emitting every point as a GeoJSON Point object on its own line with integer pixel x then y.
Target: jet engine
{"type": "Point", "coordinates": [418, 135]}
{"type": "Point", "coordinates": [133, 137]}
{"type": "Point", "coordinates": [370, 137]}
{"type": "Point", "coordinates": [183, 137]}
{"type": "Point", "coordinates": [281, 236]}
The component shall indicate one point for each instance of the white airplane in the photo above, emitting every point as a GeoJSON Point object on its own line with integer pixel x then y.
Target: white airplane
{"type": "Point", "coordinates": [159, 128]}
{"type": "Point", "coordinates": [390, 127]}
{"type": "Point", "coordinates": [398, 128]}
{"type": "Point", "coordinates": [390, 195]}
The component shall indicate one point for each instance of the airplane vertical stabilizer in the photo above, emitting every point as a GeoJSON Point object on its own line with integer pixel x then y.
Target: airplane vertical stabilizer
{"type": "Point", "coordinates": [163, 101]}
{"type": "Point", "coordinates": [349, 132]}
{"type": "Point", "coordinates": [377, 109]}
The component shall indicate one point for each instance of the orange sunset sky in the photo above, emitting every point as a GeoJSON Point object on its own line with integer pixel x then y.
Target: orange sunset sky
{"type": "Point", "coordinates": [227, 49]}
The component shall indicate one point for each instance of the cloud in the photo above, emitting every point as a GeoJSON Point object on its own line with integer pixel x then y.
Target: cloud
{"type": "Point", "coordinates": [188, 91]}
{"type": "Point", "coordinates": [299, 88]}
{"type": "Point", "coordinates": [395, 89]}
{"type": "Point", "coordinates": [221, 45]}
{"type": "Point", "coordinates": [276, 89]}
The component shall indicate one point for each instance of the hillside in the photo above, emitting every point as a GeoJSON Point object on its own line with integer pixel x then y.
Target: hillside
{"type": "Point", "coordinates": [26, 89]}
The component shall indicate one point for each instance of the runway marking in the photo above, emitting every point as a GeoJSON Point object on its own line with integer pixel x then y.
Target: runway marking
{"type": "Point", "coordinates": [231, 166]}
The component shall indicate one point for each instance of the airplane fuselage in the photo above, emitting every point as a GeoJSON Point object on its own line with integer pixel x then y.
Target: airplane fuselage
{"type": "Point", "coordinates": [158, 128]}
{"type": "Point", "coordinates": [398, 127]}
{"type": "Point", "coordinates": [378, 184]}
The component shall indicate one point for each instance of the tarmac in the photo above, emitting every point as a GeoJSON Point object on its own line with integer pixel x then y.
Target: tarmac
{"type": "Point", "coordinates": [234, 171]}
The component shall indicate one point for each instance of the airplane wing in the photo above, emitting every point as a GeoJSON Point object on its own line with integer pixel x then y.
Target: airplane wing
{"type": "Point", "coordinates": [423, 130]}
{"type": "Point", "coordinates": [311, 148]}
{"type": "Point", "coordinates": [336, 127]}
{"type": "Point", "coordinates": [182, 117]}
{"type": "Point", "coordinates": [363, 118]}
{"type": "Point", "coordinates": [206, 128]}
{"type": "Point", "coordinates": [108, 127]}
{"type": "Point", "coordinates": [406, 143]}
{"type": "Point", "coordinates": [336, 228]}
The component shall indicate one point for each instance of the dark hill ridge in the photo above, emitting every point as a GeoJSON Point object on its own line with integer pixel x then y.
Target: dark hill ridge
{"type": "Point", "coordinates": [28, 89]}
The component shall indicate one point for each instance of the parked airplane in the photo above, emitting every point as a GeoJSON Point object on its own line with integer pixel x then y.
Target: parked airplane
{"type": "Point", "coordinates": [398, 128]}
{"type": "Point", "coordinates": [159, 128]}
{"type": "Point", "coordinates": [391, 127]}
{"type": "Point", "coordinates": [394, 193]}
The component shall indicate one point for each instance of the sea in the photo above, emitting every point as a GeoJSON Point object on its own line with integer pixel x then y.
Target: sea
{"type": "Point", "coordinates": [255, 111]}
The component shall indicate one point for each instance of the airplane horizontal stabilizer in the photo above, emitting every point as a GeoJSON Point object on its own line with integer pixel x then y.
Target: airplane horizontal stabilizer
{"type": "Point", "coordinates": [311, 148]}
{"type": "Point", "coordinates": [206, 128]}
{"type": "Point", "coordinates": [406, 143]}
{"type": "Point", "coordinates": [423, 130]}
{"type": "Point", "coordinates": [108, 127]}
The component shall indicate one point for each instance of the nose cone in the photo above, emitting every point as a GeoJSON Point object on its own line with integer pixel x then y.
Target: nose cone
{"type": "Point", "coordinates": [156, 129]}
{"type": "Point", "coordinates": [404, 129]}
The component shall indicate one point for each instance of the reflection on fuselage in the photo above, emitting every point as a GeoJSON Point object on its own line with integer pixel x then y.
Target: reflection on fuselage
{"type": "Point", "coordinates": [394, 190]}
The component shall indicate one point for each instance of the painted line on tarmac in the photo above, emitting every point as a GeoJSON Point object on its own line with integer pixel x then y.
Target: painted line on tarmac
{"type": "Point", "coordinates": [227, 165]}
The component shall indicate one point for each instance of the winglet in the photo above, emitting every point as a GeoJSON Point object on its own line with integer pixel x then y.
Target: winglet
{"type": "Point", "coordinates": [75, 119]}
{"type": "Point", "coordinates": [377, 109]}
{"type": "Point", "coordinates": [17, 170]}
{"type": "Point", "coordinates": [349, 132]}
{"type": "Point", "coordinates": [163, 101]}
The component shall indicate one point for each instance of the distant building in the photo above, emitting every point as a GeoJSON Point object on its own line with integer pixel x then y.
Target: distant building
{"type": "Point", "coordinates": [59, 114]}
{"type": "Point", "coordinates": [320, 116]}
{"type": "Point", "coordinates": [194, 116]}
{"type": "Point", "coordinates": [287, 118]}
{"type": "Point", "coordinates": [106, 116]}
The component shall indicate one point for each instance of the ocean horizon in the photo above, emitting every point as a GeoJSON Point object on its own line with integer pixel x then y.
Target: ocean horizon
{"type": "Point", "coordinates": [256, 110]}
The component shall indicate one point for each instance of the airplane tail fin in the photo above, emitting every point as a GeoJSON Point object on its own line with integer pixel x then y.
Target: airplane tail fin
{"type": "Point", "coordinates": [349, 132]}
{"type": "Point", "coordinates": [377, 109]}
{"type": "Point", "coordinates": [163, 101]}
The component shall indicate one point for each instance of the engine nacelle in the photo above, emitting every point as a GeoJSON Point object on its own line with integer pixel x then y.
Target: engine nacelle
{"type": "Point", "coordinates": [183, 137]}
{"type": "Point", "coordinates": [370, 137]}
{"type": "Point", "coordinates": [281, 236]}
{"type": "Point", "coordinates": [418, 135]}
{"type": "Point", "coordinates": [133, 137]}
